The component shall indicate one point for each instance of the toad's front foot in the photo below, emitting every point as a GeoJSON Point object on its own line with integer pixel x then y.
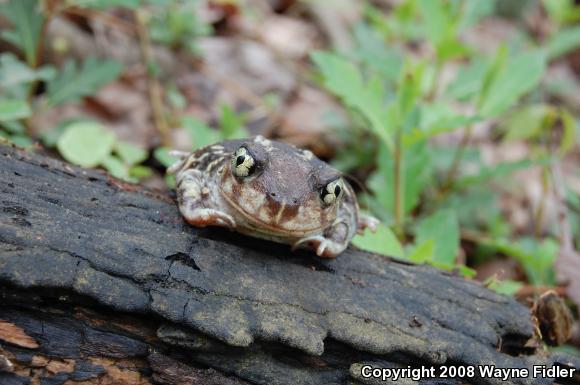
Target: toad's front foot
{"type": "Point", "coordinates": [324, 247]}
{"type": "Point", "coordinates": [202, 217]}
{"type": "Point", "coordinates": [367, 222]}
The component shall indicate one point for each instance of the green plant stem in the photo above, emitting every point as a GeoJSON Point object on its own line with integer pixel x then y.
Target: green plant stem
{"type": "Point", "coordinates": [436, 80]}
{"type": "Point", "coordinates": [153, 86]}
{"type": "Point", "coordinates": [34, 63]}
{"type": "Point", "coordinates": [399, 193]}
{"type": "Point", "coordinates": [539, 217]}
{"type": "Point", "coordinates": [454, 168]}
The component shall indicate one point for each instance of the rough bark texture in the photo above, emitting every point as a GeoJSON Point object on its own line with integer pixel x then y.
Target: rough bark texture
{"type": "Point", "coordinates": [105, 283]}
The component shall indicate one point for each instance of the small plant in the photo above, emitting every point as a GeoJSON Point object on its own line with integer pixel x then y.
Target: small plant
{"type": "Point", "coordinates": [417, 187]}
{"type": "Point", "coordinates": [19, 80]}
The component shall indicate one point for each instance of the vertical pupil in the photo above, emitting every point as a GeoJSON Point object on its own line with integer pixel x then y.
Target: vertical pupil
{"type": "Point", "coordinates": [337, 190]}
{"type": "Point", "coordinates": [240, 160]}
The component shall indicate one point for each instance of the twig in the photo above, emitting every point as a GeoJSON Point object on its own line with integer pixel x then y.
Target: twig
{"type": "Point", "coordinates": [153, 86]}
{"type": "Point", "coordinates": [103, 17]}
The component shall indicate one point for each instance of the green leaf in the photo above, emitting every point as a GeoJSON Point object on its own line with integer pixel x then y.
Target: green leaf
{"type": "Point", "coordinates": [493, 68]}
{"type": "Point", "coordinates": [86, 144]}
{"type": "Point", "coordinates": [73, 83]}
{"type": "Point", "coordinates": [345, 80]}
{"type": "Point", "coordinates": [162, 155]}
{"type": "Point", "coordinates": [13, 127]}
{"type": "Point", "coordinates": [416, 173]}
{"type": "Point", "coordinates": [475, 10]}
{"type": "Point", "coordinates": [563, 42]}
{"type": "Point", "coordinates": [11, 109]}
{"type": "Point", "coordinates": [442, 228]}
{"type": "Point", "coordinates": [382, 242]}
{"type": "Point", "coordinates": [436, 118]}
{"type": "Point", "coordinates": [537, 258]}
{"type": "Point", "coordinates": [201, 134]}
{"type": "Point", "coordinates": [466, 271]}
{"type": "Point", "coordinates": [140, 172]}
{"type": "Point", "coordinates": [469, 80]}
{"type": "Point", "coordinates": [232, 124]}
{"type": "Point", "coordinates": [437, 20]}
{"type": "Point", "coordinates": [558, 9]}
{"type": "Point", "coordinates": [423, 252]}
{"type": "Point", "coordinates": [521, 74]}
{"type": "Point", "coordinates": [13, 72]}
{"type": "Point", "coordinates": [502, 169]}
{"type": "Point", "coordinates": [525, 123]}
{"type": "Point", "coordinates": [103, 4]}
{"type": "Point", "coordinates": [27, 21]}
{"type": "Point", "coordinates": [386, 60]}
{"type": "Point", "coordinates": [116, 168]}
{"type": "Point", "coordinates": [409, 88]}
{"type": "Point", "coordinates": [21, 140]}
{"type": "Point", "coordinates": [129, 153]}
{"type": "Point", "coordinates": [507, 287]}
{"type": "Point", "coordinates": [50, 138]}
{"type": "Point", "coordinates": [569, 135]}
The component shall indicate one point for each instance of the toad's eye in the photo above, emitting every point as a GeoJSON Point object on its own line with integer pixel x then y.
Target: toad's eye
{"type": "Point", "coordinates": [332, 192]}
{"type": "Point", "coordinates": [243, 163]}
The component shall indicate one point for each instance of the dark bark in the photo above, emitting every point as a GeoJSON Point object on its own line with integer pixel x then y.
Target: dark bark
{"type": "Point", "coordinates": [104, 282]}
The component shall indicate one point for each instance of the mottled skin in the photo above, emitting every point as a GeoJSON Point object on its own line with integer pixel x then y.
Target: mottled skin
{"type": "Point", "coordinates": [269, 190]}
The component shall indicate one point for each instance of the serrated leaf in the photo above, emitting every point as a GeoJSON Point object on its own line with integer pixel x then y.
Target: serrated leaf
{"type": "Point", "coordinates": [443, 228]}
{"type": "Point", "coordinates": [15, 75]}
{"type": "Point", "coordinates": [521, 74]}
{"type": "Point", "coordinates": [73, 83]}
{"type": "Point", "coordinates": [345, 80]}
{"type": "Point", "coordinates": [86, 144]}
{"type": "Point", "coordinates": [12, 109]}
{"type": "Point", "coordinates": [26, 19]}
{"type": "Point", "coordinates": [129, 153]}
{"type": "Point", "coordinates": [382, 242]}
{"type": "Point", "coordinates": [372, 51]}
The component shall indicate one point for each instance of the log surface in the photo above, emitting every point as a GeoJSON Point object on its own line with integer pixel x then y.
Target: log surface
{"type": "Point", "coordinates": [103, 275]}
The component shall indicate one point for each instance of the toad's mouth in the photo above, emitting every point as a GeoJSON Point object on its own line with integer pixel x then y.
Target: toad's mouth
{"type": "Point", "coordinates": [269, 228]}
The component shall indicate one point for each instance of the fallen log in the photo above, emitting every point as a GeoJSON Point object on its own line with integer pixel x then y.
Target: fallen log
{"type": "Point", "coordinates": [104, 283]}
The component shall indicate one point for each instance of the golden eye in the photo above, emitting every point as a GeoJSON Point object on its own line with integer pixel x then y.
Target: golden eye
{"type": "Point", "coordinates": [332, 192]}
{"type": "Point", "coordinates": [243, 164]}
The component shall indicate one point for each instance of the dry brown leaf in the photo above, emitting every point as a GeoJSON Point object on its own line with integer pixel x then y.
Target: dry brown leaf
{"type": "Point", "coordinates": [16, 336]}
